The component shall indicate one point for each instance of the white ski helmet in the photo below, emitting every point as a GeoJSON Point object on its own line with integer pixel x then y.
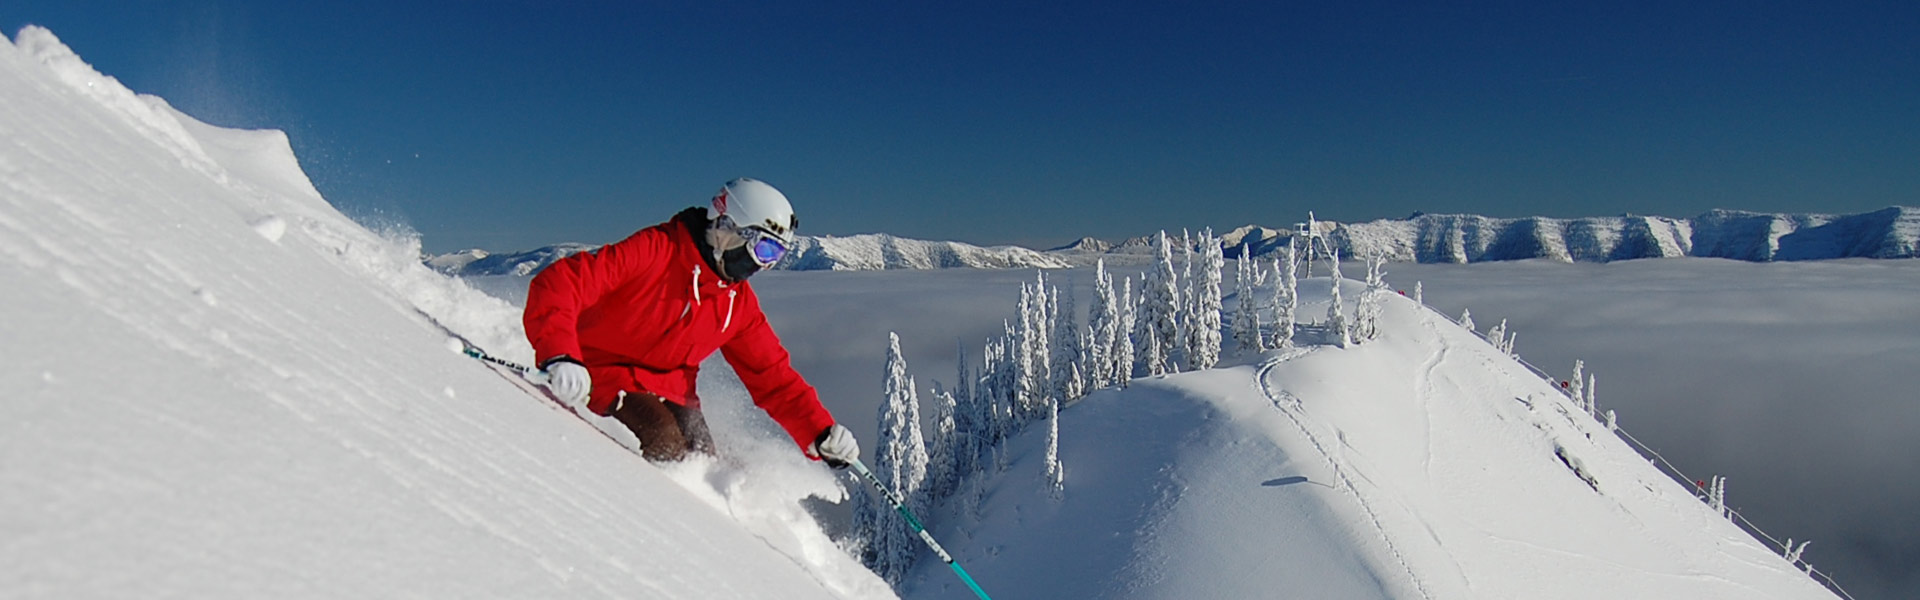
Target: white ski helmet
{"type": "Point", "coordinates": [750, 202]}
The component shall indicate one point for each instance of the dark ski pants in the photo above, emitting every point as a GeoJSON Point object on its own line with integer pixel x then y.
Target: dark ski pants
{"type": "Point", "coordinates": [667, 431]}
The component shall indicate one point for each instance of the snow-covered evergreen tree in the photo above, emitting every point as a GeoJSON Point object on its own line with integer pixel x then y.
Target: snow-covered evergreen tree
{"type": "Point", "coordinates": [1419, 294]}
{"type": "Point", "coordinates": [1160, 311]}
{"type": "Point", "coordinates": [1246, 316]}
{"type": "Point", "coordinates": [1123, 340]}
{"type": "Point", "coordinates": [1027, 381]}
{"type": "Point", "coordinates": [1056, 473]}
{"type": "Point", "coordinates": [1336, 308]}
{"type": "Point", "coordinates": [1466, 319]}
{"type": "Point", "coordinates": [943, 477]}
{"type": "Point", "coordinates": [1367, 311]}
{"type": "Point", "coordinates": [963, 446]}
{"type": "Point", "coordinates": [1103, 322]}
{"type": "Point", "coordinates": [1577, 387]}
{"type": "Point", "coordinates": [1286, 296]}
{"type": "Point", "coordinates": [1203, 351]}
{"type": "Point", "coordinates": [1498, 335]}
{"type": "Point", "coordinates": [1717, 497]}
{"type": "Point", "coordinates": [1592, 403]}
{"type": "Point", "coordinates": [1179, 350]}
{"type": "Point", "coordinates": [1066, 344]}
{"type": "Point", "coordinates": [963, 378]}
{"type": "Point", "coordinates": [900, 464]}
{"type": "Point", "coordinates": [1156, 356]}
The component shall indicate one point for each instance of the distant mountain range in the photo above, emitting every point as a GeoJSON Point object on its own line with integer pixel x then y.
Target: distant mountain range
{"type": "Point", "coordinates": [1893, 232]}
{"type": "Point", "coordinates": [866, 252]}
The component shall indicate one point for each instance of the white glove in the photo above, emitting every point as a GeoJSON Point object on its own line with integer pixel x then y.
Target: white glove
{"type": "Point", "coordinates": [836, 446]}
{"type": "Point", "coordinates": [569, 381]}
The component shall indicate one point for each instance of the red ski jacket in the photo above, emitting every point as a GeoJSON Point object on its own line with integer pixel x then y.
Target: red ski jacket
{"type": "Point", "coordinates": [642, 314]}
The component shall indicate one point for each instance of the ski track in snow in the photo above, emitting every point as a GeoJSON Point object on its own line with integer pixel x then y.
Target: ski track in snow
{"type": "Point", "coordinates": [1293, 409]}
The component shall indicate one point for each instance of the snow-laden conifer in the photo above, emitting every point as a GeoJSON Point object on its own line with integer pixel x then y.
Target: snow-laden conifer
{"type": "Point", "coordinates": [1717, 497]}
{"type": "Point", "coordinates": [901, 464]}
{"type": "Point", "coordinates": [1577, 386]}
{"type": "Point", "coordinates": [1065, 344]}
{"type": "Point", "coordinates": [963, 378]}
{"type": "Point", "coordinates": [943, 448]}
{"type": "Point", "coordinates": [1027, 382]}
{"type": "Point", "coordinates": [1203, 337]}
{"type": "Point", "coordinates": [1246, 315]}
{"type": "Point", "coordinates": [964, 445]}
{"type": "Point", "coordinates": [1372, 301]}
{"type": "Point", "coordinates": [1336, 307]}
{"type": "Point", "coordinates": [1103, 322]}
{"type": "Point", "coordinates": [1286, 296]}
{"type": "Point", "coordinates": [1123, 340]}
{"type": "Point", "coordinates": [1592, 402]}
{"type": "Point", "coordinates": [1160, 311]}
{"type": "Point", "coordinates": [1056, 473]}
{"type": "Point", "coordinates": [1179, 350]}
{"type": "Point", "coordinates": [1466, 319]}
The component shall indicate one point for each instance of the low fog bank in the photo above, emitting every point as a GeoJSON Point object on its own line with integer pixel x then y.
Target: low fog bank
{"type": "Point", "coordinates": [1796, 381]}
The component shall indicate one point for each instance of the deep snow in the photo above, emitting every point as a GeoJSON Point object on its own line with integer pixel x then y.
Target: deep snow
{"type": "Point", "coordinates": [218, 386]}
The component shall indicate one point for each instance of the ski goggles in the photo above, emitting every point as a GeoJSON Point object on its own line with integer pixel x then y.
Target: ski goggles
{"type": "Point", "coordinates": [765, 247]}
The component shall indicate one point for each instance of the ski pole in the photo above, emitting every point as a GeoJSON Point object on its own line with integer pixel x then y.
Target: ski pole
{"type": "Point", "coordinates": [861, 468]}
{"type": "Point", "coordinates": [534, 375]}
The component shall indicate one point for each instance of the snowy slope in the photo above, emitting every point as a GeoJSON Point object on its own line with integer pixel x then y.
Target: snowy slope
{"type": "Point", "coordinates": [1424, 464]}
{"type": "Point", "coordinates": [217, 386]}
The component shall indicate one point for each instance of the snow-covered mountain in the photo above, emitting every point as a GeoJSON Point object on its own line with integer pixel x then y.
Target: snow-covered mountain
{"type": "Point", "coordinates": [868, 252]}
{"type": "Point", "coordinates": [877, 252]}
{"type": "Point", "coordinates": [1893, 232]}
{"type": "Point", "coordinates": [477, 262]}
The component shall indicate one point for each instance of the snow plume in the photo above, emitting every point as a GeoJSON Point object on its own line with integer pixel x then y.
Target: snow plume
{"type": "Point", "coordinates": [230, 389]}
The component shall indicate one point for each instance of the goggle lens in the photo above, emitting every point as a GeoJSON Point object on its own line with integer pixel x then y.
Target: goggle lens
{"type": "Point", "coordinates": [766, 249]}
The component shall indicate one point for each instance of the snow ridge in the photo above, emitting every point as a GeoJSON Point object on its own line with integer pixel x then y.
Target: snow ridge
{"type": "Point", "coordinates": [1892, 232]}
{"type": "Point", "coordinates": [866, 252]}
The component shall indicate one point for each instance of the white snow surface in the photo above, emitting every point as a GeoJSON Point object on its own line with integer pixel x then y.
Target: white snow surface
{"type": "Point", "coordinates": [217, 386]}
{"type": "Point", "coordinates": [1424, 464]}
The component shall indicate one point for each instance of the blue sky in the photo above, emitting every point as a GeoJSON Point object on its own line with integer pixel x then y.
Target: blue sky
{"type": "Point", "coordinates": [510, 125]}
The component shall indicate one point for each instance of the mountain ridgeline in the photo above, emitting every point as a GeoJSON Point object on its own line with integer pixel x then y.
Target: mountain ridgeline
{"type": "Point", "coordinates": [1892, 232]}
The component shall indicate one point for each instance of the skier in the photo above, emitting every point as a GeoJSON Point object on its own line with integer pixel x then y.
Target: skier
{"type": "Point", "coordinates": [624, 328]}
